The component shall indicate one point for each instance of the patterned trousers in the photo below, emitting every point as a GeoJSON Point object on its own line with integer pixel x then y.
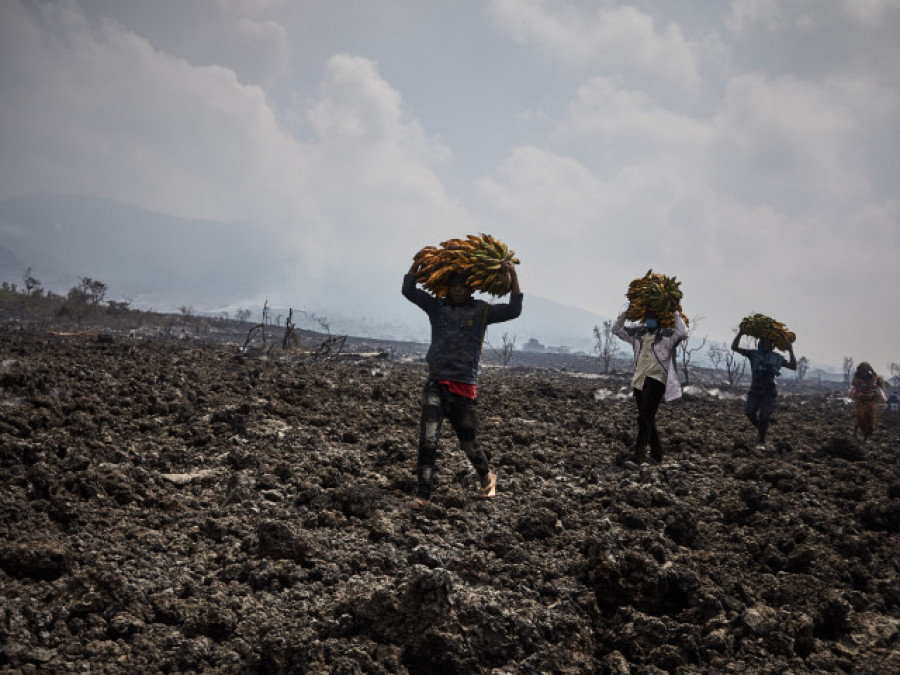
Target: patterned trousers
{"type": "Point", "coordinates": [437, 404]}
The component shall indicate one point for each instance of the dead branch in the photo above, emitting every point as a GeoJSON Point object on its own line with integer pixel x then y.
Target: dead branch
{"type": "Point", "coordinates": [290, 339]}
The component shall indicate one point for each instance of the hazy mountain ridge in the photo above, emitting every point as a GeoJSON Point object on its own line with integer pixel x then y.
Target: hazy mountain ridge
{"type": "Point", "coordinates": [136, 252]}
{"type": "Point", "coordinates": [164, 262]}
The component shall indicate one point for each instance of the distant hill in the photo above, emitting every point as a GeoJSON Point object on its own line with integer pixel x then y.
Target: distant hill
{"type": "Point", "coordinates": [163, 262]}
{"type": "Point", "coordinates": [159, 260]}
{"type": "Point", "coordinates": [136, 252]}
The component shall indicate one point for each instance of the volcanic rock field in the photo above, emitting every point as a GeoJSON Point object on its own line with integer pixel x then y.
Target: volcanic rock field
{"type": "Point", "coordinates": [177, 507]}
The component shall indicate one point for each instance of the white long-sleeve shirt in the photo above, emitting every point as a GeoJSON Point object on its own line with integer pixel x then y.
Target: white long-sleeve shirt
{"type": "Point", "coordinates": [663, 350]}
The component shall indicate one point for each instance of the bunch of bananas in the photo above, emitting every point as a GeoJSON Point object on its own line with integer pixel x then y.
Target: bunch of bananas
{"type": "Point", "coordinates": [655, 293]}
{"type": "Point", "coordinates": [761, 326]}
{"type": "Point", "coordinates": [479, 258]}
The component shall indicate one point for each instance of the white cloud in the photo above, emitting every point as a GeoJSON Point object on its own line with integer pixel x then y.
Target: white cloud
{"type": "Point", "coordinates": [762, 204]}
{"type": "Point", "coordinates": [768, 185]}
{"type": "Point", "coordinates": [586, 231]}
{"type": "Point", "coordinates": [626, 123]}
{"type": "Point", "coordinates": [583, 239]}
{"type": "Point", "coordinates": [246, 6]}
{"type": "Point", "coordinates": [797, 145]}
{"type": "Point", "coordinates": [787, 142]}
{"type": "Point", "coordinates": [607, 37]}
{"type": "Point", "coordinates": [356, 104]}
{"type": "Point", "coordinates": [99, 110]}
{"type": "Point", "coordinates": [814, 39]}
{"type": "Point", "coordinates": [374, 179]}
{"type": "Point", "coordinates": [555, 194]}
{"type": "Point", "coordinates": [808, 15]}
{"type": "Point", "coordinates": [257, 50]}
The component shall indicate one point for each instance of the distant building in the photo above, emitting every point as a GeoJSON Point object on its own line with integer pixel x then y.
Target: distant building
{"type": "Point", "coordinates": [533, 346]}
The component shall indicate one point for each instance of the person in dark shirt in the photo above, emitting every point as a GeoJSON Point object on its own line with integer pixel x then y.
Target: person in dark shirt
{"type": "Point", "coordinates": [458, 323]}
{"type": "Point", "coordinates": [765, 366]}
{"type": "Point", "coordinates": [893, 401]}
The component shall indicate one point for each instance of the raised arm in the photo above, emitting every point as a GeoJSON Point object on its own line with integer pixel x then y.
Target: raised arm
{"type": "Point", "coordinates": [681, 331]}
{"type": "Point", "coordinates": [792, 364]}
{"type": "Point", "coordinates": [618, 328]}
{"type": "Point", "coordinates": [510, 269]}
{"type": "Point", "coordinates": [414, 294]}
{"type": "Point", "coordinates": [512, 309]}
{"type": "Point", "coordinates": [735, 344]}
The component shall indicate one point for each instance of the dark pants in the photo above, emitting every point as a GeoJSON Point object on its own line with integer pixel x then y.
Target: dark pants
{"type": "Point", "coordinates": [759, 408]}
{"type": "Point", "coordinates": [648, 400]}
{"type": "Point", "coordinates": [438, 403]}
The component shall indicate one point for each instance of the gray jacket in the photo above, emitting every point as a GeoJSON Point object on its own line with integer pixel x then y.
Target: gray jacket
{"type": "Point", "coordinates": [457, 331]}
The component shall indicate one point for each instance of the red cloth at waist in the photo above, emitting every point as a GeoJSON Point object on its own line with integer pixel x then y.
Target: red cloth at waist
{"type": "Point", "coordinates": [459, 388]}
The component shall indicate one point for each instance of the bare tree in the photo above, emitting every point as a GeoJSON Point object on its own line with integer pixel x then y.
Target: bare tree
{"type": "Point", "coordinates": [716, 354]}
{"type": "Point", "coordinates": [506, 351]}
{"type": "Point", "coordinates": [848, 368]}
{"type": "Point", "coordinates": [802, 368]}
{"type": "Point", "coordinates": [186, 310]}
{"type": "Point", "coordinates": [607, 344]}
{"type": "Point", "coordinates": [686, 351]}
{"type": "Point", "coordinates": [257, 329]}
{"type": "Point", "coordinates": [94, 291]}
{"type": "Point", "coordinates": [266, 320]}
{"type": "Point", "coordinates": [31, 284]}
{"type": "Point", "coordinates": [290, 339]}
{"type": "Point", "coordinates": [895, 373]}
{"type": "Point", "coordinates": [242, 315]}
{"type": "Point", "coordinates": [82, 299]}
{"type": "Point", "coordinates": [735, 365]}
{"type": "Point", "coordinates": [119, 306]}
{"type": "Point", "coordinates": [332, 345]}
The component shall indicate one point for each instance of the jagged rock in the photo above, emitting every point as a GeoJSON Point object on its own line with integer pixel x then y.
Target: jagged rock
{"type": "Point", "coordinates": [176, 507]}
{"type": "Point", "coordinates": [39, 560]}
{"type": "Point", "coordinates": [279, 541]}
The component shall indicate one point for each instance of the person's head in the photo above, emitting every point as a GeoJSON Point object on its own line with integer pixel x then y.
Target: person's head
{"type": "Point", "coordinates": [651, 320]}
{"type": "Point", "coordinates": [458, 288]}
{"type": "Point", "coordinates": [765, 345]}
{"type": "Point", "coordinates": [865, 371]}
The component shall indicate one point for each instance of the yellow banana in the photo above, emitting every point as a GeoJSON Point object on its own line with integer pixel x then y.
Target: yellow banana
{"type": "Point", "coordinates": [481, 258]}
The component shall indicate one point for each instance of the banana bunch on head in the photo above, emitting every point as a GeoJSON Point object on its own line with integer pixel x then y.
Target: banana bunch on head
{"type": "Point", "coordinates": [478, 258]}
{"type": "Point", "coordinates": [655, 293]}
{"type": "Point", "coordinates": [761, 326]}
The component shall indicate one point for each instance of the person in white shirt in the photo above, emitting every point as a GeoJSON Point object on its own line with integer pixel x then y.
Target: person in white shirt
{"type": "Point", "coordinates": [655, 378]}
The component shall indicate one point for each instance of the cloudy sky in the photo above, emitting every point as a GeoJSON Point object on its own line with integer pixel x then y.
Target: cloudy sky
{"type": "Point", "coordinates": [750, 148]}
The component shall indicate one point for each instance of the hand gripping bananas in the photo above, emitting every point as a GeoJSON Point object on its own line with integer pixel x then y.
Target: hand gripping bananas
{"type": "Point", "coordinates": [655, 293]}
{"type": "Point", "coordinates": [479, 258]}
{"type": "Point", "coordinates": [761, 326]}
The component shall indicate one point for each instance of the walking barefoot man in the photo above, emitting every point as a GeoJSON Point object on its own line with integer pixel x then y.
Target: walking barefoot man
{"type": "Point", "coordinates": [458, 323]}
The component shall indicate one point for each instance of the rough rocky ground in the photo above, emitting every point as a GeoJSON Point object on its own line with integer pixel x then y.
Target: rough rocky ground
{"type": "Point", "coordinates": [171, 507]}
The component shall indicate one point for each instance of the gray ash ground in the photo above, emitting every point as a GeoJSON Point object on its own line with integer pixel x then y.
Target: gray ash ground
{"type": "Point", "coordinates": [174, 507]}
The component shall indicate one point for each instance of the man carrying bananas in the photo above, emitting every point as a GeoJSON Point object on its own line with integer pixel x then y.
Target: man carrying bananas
{"type": "Point", "coordinates": [655, 377]}
{"type": "Point", "coordinates": [765, 366]}
{"type": "Point", "coordinates": [458, 323]}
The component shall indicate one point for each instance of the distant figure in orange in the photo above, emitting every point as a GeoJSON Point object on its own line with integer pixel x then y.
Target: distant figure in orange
{"type": "Point", "coordinates": [867, 390]}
